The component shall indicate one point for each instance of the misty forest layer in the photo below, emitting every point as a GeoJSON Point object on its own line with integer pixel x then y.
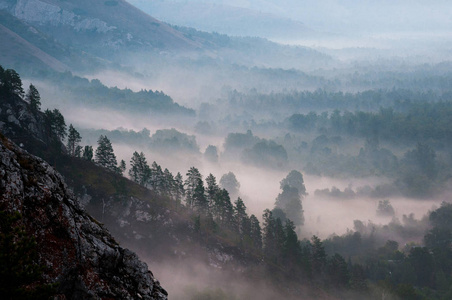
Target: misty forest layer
{"type": "Point", "coordinates": [242, 150]}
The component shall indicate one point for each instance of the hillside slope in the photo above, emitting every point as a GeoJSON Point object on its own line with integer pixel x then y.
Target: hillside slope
{"type": "Point", "coordinates": [75, 250]}
{"type": "Point", "coordinates": [93, 24]}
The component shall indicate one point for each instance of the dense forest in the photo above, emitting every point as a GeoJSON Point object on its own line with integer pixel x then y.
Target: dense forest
{"type": "Point", "coordinates": [367, 259]}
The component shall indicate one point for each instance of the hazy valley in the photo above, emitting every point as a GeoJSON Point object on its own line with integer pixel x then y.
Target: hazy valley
{"type": "Point", "coordinates": [312, 140]}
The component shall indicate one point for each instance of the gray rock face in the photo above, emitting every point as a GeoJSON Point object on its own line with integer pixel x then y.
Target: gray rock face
{"type": "Point", "coordinates": [77, 251]}
{"type": "Point", "coordinates": [17, 119]}
{"type": "Point", "coordinates": [43, 13]}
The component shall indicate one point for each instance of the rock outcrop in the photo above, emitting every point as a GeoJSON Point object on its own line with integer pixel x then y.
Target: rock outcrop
{"type": "Point", "coordinates": [75, 250]}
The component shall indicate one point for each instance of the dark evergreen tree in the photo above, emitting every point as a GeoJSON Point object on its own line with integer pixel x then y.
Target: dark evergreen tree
{"type": "Point", "coordinates": [223, 209]}
{"type": "Point", "coordinates": [199, 201]}
{"type": "Point", "coordinates": [105, 156]}
{"type": "Point", "coordinates": [280, 238]}
{"type": "Point", "coordinates": [88, 153]}
{"type": "Point", "coordinates": [157, 180]}
{"type": "Point", "coordinates": [33, 98]}
{"type": "Point", "coordinates": [139, 171]}
{"type": "Point", "coordinates": [241, 217]}
{"type": "Point", "coordinates": [337, 271]}
{"type": "Point", "coordinates": [179, 191]}
{"type": "Point", "coordinates": [191, 183]}
{"type": "Point", "coordinates": [269, 235]}
{"type": "Point", "coordinates": [168, 183]}
{"type": "Point", "coordinates": [11, 83]}
{"type": "Point", "coordinates": [73, 141]}
{"type": "Point", "coordinates": [256, 232]}
{"type": "Point", "coordinates": [122, 166]}
{"type": "Point", "coordinates": [292, 249]}
{"type": "Point", "coordinates": [56, 123]}
{"type": "Point", "coordinates": [318, 256]}
{"type": "Point", "coordinates": [212, 190]}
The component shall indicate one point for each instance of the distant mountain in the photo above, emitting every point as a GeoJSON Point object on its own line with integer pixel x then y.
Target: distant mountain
{"type": "Point", "coordinates": [226, 19]}
{"type": "Point", "coordinates": [26, 47]}
{"type": "Point", "coordinates": [97, 25]}
{"type": "Point", "coordinates": [83, 35]}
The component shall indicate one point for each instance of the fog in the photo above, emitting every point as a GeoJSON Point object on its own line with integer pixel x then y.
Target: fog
{"type": "Point", "coordinates": [397, 53]}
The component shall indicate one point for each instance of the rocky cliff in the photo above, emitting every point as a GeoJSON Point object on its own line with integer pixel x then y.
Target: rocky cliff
{"type": "Point", "coordinates": [74, 249]}
{"type": "Point", "coordinates": [91, 24]}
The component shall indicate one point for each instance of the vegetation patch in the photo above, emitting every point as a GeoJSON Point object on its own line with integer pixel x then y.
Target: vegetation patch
{"type": "Point", "coordinates": [111, 3]}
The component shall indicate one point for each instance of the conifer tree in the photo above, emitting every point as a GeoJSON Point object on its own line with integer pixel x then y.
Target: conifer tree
{"type": "Point", "coordinates": [240, 216]}
{"type": "Point", "coordinates": [105, 156]}
{"type": "Point", "coordinates": [318, 256]}
{"type": "Point", "coordinates": [269, 235]}
{"type": "Point", "coordinates": [157, 178]}
{"type": "Point", "coordinates": [11, 83]}
{"type": "Point", "coordinates": [56, 123]}
{"type": "Point", "coordinates": [292, 249]}
{"type": "Point", "coordinates": [122, 166]}
{"type": "Point", "coordinates": [199, 198]}
{"type": "Point", "coordinates": [179, 191]}
{"type": "Point", "coordinates": [280, 239]}
{"type": "Point", "coordinates": [223, 209]}
{"type": "Point", "coordinates": [33, 98]}
{"type": "Point", "coordinates": [88, 153]}
{"type": "Point", "coordinates": [338, 271]}
{"type": "Point", "coordinates": [73, 141]}
{"type": "Point", "coordinates": [212, 190]}
{"type": "Point", "coordinates": [168, 183]}
{"type": "Point", "coordinates": [190, 184]}
{"type": "Point", "coordinates": [255, 232]}
{"type": "Point", "coordinates": [139, 171]}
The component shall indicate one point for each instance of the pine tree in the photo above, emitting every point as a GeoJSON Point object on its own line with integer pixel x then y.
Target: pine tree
{"type": "Point", "coordinates": [223, 209]}
{"type": "Point", "coordinates": [122, 166]}
{"type": "Point", "coordinates": [33, 98]}
{"type": "Point", "coordinates": [105, 156]}
{"type": "Point", "coordinates": [199, 198]}
{"type": "Point", "coordinates": [318, 256]}
{"type": "Point", "coordinates": [292, 249]}
{"type": "Point", "coordinates": [190, 184]}
{"type": "Point", "coordinates": [73, 140]}
{"type": "Point", "coordinates": [179, 191]}
{"type": "Point", "coordinates": [168, 180]}
{"type": "Point", "coordinates": [157, 178]}
{"type": "Point", "coordinates": [56, 123]}
{"type": "Point", "coordinates": [139, 171]}
{"type": "Point", "coordinates": [280, 239]}
{"type": "Point", "coordinates": [240, 216]}
{"type": "Point", "coordinates": [338, 271]}
{"type": "Point", "coordinates": [88, 153]}
{"type": "Point", "coordinates": [212, 190]}
{"type": "Point", "coordinates": [11, 83]}
{"type": "Point", "coordinates": [269, 235]}
{"type": "Point", "coordinates": [256, 232]}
